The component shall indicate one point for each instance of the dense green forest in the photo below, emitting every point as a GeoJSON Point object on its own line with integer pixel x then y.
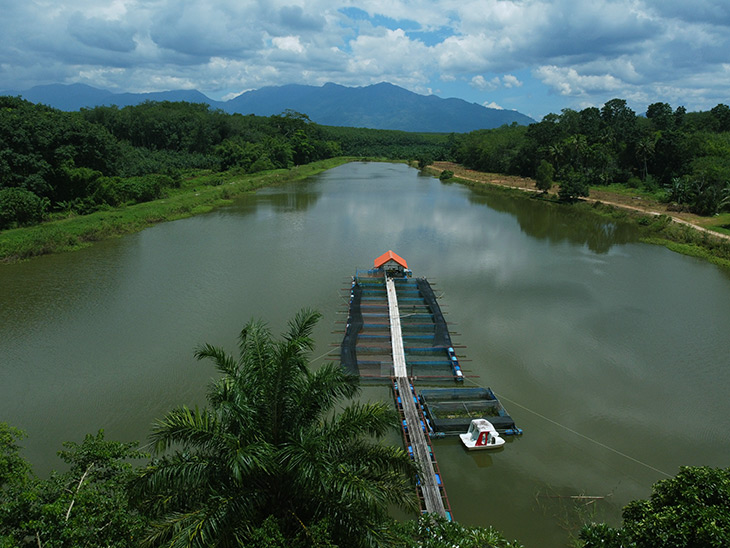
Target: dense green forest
{"type": "Point", "coordinates": [682, 157]}
{"type": "Point", "coordinates": [59, 162]}
{"type": "Point", "coordinates": [54, 163]}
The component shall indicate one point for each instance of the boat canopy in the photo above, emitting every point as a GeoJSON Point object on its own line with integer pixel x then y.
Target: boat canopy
{"type": "Point", "coordinates": [478, 426]}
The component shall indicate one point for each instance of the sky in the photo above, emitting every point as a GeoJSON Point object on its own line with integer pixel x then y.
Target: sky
{"type": "Point", "coordinates": [534, 56]}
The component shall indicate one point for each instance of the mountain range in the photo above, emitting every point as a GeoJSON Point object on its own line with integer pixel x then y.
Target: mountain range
{"type": "Point", "coordinates": [378, 106]}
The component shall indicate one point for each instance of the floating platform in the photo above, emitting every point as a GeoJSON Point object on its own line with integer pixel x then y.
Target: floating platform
{"type": "Point", "coordinates": [451, 410]}
{"type": "Point", "coordinates": [415, 428]}
{"type": "Point", "coordinates": [366, 348]}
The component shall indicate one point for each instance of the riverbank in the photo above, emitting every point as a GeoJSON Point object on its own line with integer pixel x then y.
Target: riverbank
{"type": "Point", "coordinates": [707, 238]}
{"type": "Point", "coordinates": [198, 193]}
{"type": "Point", "coordinates": [681, 232]}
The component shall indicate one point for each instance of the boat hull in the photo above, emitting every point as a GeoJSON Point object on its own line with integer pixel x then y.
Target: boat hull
{"type": "Point", "coordinates": [471, 446]}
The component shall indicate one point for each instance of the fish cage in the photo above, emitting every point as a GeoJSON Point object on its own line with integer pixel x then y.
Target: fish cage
{"type": "Point", "coordinates": [451, 410]}
{"type": "Point", "coordinates": [366, 347]}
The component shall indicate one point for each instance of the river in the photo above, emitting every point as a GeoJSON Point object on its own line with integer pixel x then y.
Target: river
{"type": "Point", "coordinates": [610, 354]}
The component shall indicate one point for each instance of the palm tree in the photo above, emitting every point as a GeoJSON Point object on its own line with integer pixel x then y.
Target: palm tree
{"type": "Point", "coordinates": [644, 150]}
{"type": "Point", "coordinates": [271, 444]}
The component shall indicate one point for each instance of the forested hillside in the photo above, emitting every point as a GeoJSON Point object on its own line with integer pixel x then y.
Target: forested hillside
{"type": "Point", "coordinates": [53, 161]}
{"type": "Point", "coordinates": [682, 157]}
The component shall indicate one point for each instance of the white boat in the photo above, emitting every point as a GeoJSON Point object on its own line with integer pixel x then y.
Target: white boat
{"type": "Point", "coordinates": [481, 435]}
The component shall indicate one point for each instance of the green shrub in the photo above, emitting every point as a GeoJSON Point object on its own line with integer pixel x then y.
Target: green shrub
{"type": "Point", "coordinates": [20, 207]}
{"type": "Point", "coordinates": [544, 176]}
{"type": "Point", "coordinates": [573, 186]}
{"type": "Point", "coordinates": [143, 189]}
{"type": "Point", "coordinates": [633, 182]}
{"type": "Point", "coordinates": [446, 174]}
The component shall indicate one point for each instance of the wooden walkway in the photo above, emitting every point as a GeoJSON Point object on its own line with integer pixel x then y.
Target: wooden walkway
{"type": "Point", "coordinates": [413, 425]}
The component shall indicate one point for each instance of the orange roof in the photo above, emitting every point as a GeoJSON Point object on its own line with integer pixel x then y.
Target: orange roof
{"type": "Point", "coordinates": [390, 256]}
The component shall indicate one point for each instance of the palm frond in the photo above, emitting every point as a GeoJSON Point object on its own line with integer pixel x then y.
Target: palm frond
{"type": "Point", "coordinates": [224, 362]}
{"type": "Point", "coordinates": [301, 327]}
{"type": "Point", "coordinates": [254, 460]}
{"type": "Point", "coordinates": [201, 528]}
{"type": "Point", "coordinates": [176, 482]}
{"type": "Point", "coordinates": [323, 389]}
{"type": "Point", "coordinates": [363, 419]}
{"type": "Point", "coordinates": [188, 427]}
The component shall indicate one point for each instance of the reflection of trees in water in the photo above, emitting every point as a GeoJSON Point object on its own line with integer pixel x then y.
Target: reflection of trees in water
{"type": "Point", "coordinates": [292, 199]}
{"type": "Point", "coordinates": [559, 222]}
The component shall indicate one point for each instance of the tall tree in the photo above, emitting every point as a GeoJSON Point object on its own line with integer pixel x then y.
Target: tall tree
{"type": "Point", "coordinates": [721, 117]}
{"type": "Point", "coordinates": [272, 444]}
{"type": "Point", "coordinates": [85, 506]}
{"type": "Point", "coordinates": [692, 509]}
{"type": "Point", "coordinates": [660, 115]}
{"type": "Point", "coordinates": [544, 176]}
{"type": "Point", "coordinates": [644, 151]}
{"type": "Point", "coordinates": [620, 120]}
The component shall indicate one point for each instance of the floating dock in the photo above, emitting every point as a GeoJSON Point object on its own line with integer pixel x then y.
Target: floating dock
{"type": "Point", "coordinates": [396, 333]}
{"type": "Point", "coordinates": [450, 411]}
{"type": "Point", "coordinates": [366, 348]}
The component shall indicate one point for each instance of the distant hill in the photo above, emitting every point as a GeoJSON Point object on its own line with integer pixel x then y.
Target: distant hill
{"type": "Point", "coordinates": [77, 96]}
{"type": "Point", "coordinates": [379, 106]}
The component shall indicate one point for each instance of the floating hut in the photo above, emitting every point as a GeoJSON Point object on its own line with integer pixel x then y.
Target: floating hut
{"type": "Point", "coordinates": [393, 265]}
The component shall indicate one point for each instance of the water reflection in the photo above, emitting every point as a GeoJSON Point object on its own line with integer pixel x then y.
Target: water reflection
{"type": "Point", "coordinates": [301, 199]}
{"type": "Point", "coordinates": [557, 222]}
{"type": "Point", "coordinates": [483, 460]}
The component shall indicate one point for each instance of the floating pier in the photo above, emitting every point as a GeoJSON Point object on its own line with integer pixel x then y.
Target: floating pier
{"type": "Point", "coordinates": [366, 349]}
{"type": "Point", "coordinates": [414, 430]}
{"type": "Point", "coordinates": [396, 333]}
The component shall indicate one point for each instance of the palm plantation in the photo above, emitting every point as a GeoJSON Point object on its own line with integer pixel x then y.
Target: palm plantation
{"type": "Point", "coordinates": [271, 449]}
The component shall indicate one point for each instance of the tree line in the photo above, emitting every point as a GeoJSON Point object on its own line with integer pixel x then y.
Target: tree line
{"type": "Point", "coordinates": [53, 161]}
{"type": "Point", "coordinates": [683, 157]}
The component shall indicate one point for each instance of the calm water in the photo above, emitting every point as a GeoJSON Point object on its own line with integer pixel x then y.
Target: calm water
{"type": "Point", "coordinates": [611, 355]}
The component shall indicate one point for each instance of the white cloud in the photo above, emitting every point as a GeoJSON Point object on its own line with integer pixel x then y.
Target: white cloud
{"type": "Point", "coordinates": [481, 83]}
{"type": "Point", "coordinates": [388, 53]}
{"type": "Point", "coordinates": [567, 81]}
{"type": "Point", "coordinates": [507, 81]}
{"type": "Point", "coordinates": [653, 50]}
{"type": "Point", "coordinates": [511, 81]}
{"type": "Point", "coordinates": [493, 105]}
{"type": "Point", "coordinates": [288, 43]}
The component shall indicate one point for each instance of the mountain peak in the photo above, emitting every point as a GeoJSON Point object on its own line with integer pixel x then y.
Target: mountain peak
{"type": "Point", "coordinates": [377, 106]}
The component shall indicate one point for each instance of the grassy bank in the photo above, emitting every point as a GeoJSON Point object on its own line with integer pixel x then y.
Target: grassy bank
{"type": "Point", "coordinates": [654, 229]}
{"type": "Point", "coordinates": [662, 230]}
{"type": "Point", "coordinates": [198, 194]}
